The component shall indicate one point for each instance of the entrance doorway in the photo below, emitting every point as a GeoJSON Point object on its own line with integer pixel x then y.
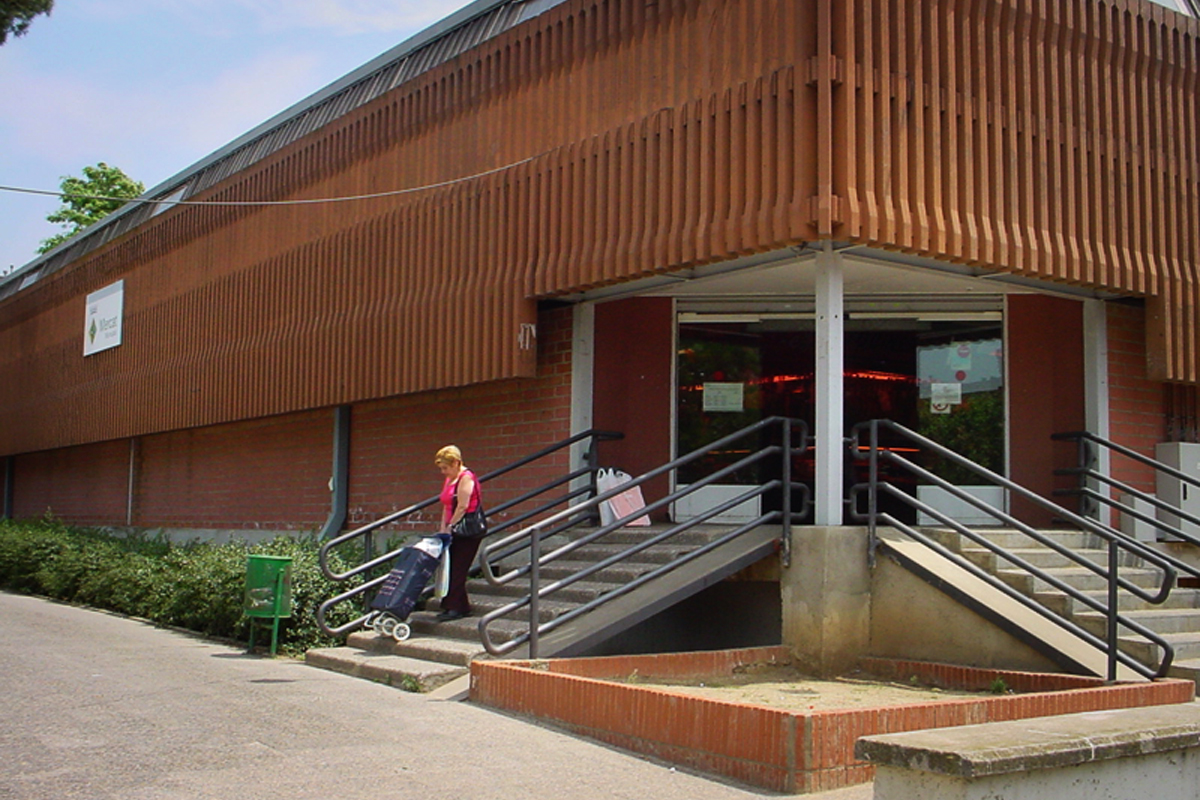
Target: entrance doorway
{"type": "Point", "coordinates": [934, 373]}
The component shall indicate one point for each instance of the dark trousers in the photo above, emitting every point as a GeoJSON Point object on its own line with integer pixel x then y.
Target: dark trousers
{"type": "Point", "coordinates": [462, 556]}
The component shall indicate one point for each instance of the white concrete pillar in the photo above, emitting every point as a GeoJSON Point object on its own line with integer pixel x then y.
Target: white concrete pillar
{"type": "Point", "coordinates": [830, 396]}
{"type": "Point", "coordinates": [583, 356]}
{"type": "Point", "coordinates": [1095, 380]}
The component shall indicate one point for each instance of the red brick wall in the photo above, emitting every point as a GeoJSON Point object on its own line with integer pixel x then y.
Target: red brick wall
{"type": "Point", "coordinates": [1045, 374]}
{"type": "Point", "coordinates": [273, 473]}
{"type": "Point", "coordinates": [633, 384]}
{"type": "Point", "coordinates": [1135, 402]}
{"type": "Point", "coordinates": [85, 485]}
{"type": "Point", "coordinates": [270, 474]}
{"type": "Point", "coordinates": [494, 424]}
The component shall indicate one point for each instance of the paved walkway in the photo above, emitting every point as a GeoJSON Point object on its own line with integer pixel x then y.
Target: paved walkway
{"type": "Point", "coordinates": [98, 706]}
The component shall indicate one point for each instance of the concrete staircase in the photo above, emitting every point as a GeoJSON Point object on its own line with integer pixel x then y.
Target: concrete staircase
{"type": "Point", "coordinates": [1177, 620]}
{"type": "Point", "coordinates": [437, 656]}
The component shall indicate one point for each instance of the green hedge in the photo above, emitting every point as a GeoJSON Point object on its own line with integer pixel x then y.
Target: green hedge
{"type": "Point", "coordinates": [196, 586]}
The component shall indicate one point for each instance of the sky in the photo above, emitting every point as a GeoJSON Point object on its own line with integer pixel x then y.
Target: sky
{"type": "Point", "coordinates": [153, 87]}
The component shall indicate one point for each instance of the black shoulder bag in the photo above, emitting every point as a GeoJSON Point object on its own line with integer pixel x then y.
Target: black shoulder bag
{"type": "Point", "coordinates": [473, 524]}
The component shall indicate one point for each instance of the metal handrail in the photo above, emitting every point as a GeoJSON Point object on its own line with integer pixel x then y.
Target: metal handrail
{"type": "Point", "coordinates": [533, 535]}
{"type": "Point", "coordinates": [996, 583]}
{"type": "Point", "coordinates": [1117, 542]}
{"type": "Point", "coordinates": [1087, 471]}
{"type": "Point", "coordinates": [371, 562]}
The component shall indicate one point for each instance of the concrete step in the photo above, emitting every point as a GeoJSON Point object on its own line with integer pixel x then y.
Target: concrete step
{"type": "Point", "coordinates": [1041, 557]}
{"type": "Point", "coordinates": [1187, 646]}
{"type": "Point", "coordinates": [577, 593]}
{"type": "Point", "coordinates": [1186, 668]}
{"type": "Point", "coordinates": [655, 554]}
{"type": "Point", "coordinates": [452, 645]}
{"type": "Point", "coordinates": [1046, 558]}
{"type": "Point", "coordinates": [1012, 539]}
{"type": "Point", "coordinates": [1177, 619]}
{"type": "Point", "coordinates": [410, 674]}
{"type": "Point", "coordinates": [485, 603]}
{"type": "Point", "coordinates": [700, 535]}
{"type": "Point", "coordinates": [1034, 628]}
{"type": "Point", "coordinates": [520, 555]}
{"type": "Point", "coordinates": [1159, 620]}
{"type": "Point", "coordinates": [1064, 605]}
{"type": "Point", "coordinates": [621, 573]}
{"type": "Point", "coordinates": [444, 650]}
{"type": "Point", "coordinates": [1080, 578]}
{"type": "Point", "coordinates": [424, 623]}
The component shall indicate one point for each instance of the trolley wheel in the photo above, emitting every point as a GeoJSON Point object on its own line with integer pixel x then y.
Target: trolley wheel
{"type": "Point", "coordinates": [372, 621]}
{"type": "Point", "coordinates": [401, 631]}
{"type": "Point", "coordinates": [387, 625]}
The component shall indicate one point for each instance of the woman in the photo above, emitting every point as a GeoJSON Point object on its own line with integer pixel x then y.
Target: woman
{"type": "Point", "coordinates": [460, 494]}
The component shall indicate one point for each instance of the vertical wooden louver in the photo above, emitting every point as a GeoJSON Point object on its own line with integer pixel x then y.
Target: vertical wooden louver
{"type": "Point", "coordinates": [1050, 138]}
{"type": "Point", "coordinates": [605, 140]}
{"type": "Point", "coordinates": [235, 313]}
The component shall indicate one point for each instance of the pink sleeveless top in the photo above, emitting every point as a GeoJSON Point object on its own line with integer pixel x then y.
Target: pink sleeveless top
{"type": "Point", "coordinates": [450, 488]}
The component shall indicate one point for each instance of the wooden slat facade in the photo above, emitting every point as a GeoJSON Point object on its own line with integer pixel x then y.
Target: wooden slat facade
{"type": "Point", "coordinates": [1049, 138]}
{"type": "Point", "coordinates": [613, 139]}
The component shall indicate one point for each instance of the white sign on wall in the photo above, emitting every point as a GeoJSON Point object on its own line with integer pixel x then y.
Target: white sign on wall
{"type": "Point", "coordinates": [102, 322]}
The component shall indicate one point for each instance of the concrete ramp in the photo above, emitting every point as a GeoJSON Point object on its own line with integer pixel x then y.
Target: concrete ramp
{"type": "Point", "coordinates": [627, 610]}
{"type": "Point", "coordinates": [1045, 636]}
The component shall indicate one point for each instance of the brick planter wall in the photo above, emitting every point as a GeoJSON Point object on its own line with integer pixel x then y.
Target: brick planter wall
{"type": "Point", "coordinates": [777, 749]}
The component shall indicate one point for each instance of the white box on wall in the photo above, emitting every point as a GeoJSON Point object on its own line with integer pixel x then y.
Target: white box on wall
{"type": "Point", "coordinates": [1184, 457]}
{"type": "Point", "coordinates": [1137, 528]}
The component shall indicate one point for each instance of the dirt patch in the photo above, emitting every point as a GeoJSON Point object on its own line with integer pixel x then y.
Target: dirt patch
{"type": "Point", "coordinates": [785, 687]}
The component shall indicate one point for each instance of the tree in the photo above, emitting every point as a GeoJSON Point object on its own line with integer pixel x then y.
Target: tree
{"type": "Point", "coordinates": [100, 192]}
{"type": "Point", "coordinates": [15, 15]}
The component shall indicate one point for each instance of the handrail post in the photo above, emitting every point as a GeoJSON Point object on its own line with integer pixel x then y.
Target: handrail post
{"type": "Point", "coordinates": [785, 554]}
{"type": "Point", "coordinates": [368, 556]}
{"type": "Point", "coordinates": [1086, 459]}
{"type": "Point", "coordinates": [535, 586]}
{"type": "Point", "coordinates": [872, 493]}
{"type": "Point", "coordinates": [1113, 644]}
{"type": "Point", "coordinates": [593, 463]}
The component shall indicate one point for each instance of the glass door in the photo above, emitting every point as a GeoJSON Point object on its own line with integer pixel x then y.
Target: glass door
{"type": "Point", "coordinates": [943, 378]}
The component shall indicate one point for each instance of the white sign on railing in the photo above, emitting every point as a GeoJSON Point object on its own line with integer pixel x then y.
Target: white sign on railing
{"type": "Point", "coordinates": [102, 322]}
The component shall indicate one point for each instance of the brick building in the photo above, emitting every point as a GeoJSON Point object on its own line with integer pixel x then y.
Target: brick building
{"type": "Point", "coordinates": [543, 216]}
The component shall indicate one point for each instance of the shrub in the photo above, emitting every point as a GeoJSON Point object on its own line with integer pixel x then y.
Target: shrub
{"type": "Point", "coordinates": [197, 586]}
{"type": "Point", "coordinates": [24, 552]}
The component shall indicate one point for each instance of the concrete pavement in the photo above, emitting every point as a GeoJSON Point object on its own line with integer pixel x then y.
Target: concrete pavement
{"type": "Point", "coordinates": [98, 706]}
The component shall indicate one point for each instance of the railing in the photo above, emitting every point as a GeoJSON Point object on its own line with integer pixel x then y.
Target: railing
{"type": "Point", "coordinates": [1090, 476]}
{"type": "Point", "coordinates": [1118, 544]}
{"type": "Point", "coordinates": [532, 536]}
{"type": "Point", "coordinates": [371, 564]}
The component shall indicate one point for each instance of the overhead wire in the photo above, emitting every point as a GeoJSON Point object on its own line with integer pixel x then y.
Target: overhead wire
{"type": "Point", "coordinates": [308, 201]}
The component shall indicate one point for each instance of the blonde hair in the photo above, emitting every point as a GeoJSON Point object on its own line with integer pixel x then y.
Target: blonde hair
{"type": "Point", "coordinates": [448, 455]}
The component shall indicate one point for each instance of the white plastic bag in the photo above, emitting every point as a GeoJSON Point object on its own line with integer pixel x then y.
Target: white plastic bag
{"type": "Point", "coordinates": [431, 545]}
{"type": "Point", "coordinates": [619, 505]}
{"type": "Point", "coordinates": [441, 578]}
